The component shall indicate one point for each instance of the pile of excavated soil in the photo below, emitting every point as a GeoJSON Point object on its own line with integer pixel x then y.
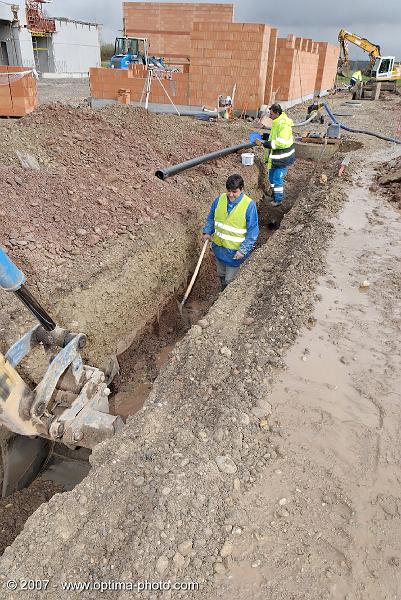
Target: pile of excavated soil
{"type": "Point", "coordinates": [389, 178]}
{"type": "Point", "coordinates": [100, 238]}
{"type": "Point", "coordinates": [96, 179]}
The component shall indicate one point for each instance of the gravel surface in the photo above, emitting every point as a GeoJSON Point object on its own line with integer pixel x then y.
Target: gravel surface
{"type": "Point", "coordinates": [68, 91]}
{"type": "Point", "coordinates": [15, 510]}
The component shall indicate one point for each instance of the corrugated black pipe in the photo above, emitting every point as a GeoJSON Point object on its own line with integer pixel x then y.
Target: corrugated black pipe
{"type": "Point", "coordinates": [378, 135]}
{"type": "Point", "coordinates": [194, 162]}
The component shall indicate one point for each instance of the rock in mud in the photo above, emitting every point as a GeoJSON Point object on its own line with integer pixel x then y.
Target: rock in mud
{"type": "Point", "coordinates": [227, 549]}
{"type": "Point", "coordinates": [162, 565]}
{"type": "Point", "coordinates": [219, 568]}
{"type": "Point", "coordinates": [226, 465]}
{"type": "Point", "coordinates": [185, 548]}
{"type": "Point", "coordinates": [226, 351]}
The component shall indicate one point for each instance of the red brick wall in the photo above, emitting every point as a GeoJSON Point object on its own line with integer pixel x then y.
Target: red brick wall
{"type": "Point", "coordinates": [295, 68]}
{"type": "Point", "coordinates": [106, 83]}
{"type": "Point", "coordinates": [223, 54]}
{"type": "Point", "coordinates": [269, 96]}
{"type": "Point", "coordinates": [327, 67]}
{"type": "Point", "coordinates": [168, 25]}
{"type": "Point", "coordinates": [17, 97]}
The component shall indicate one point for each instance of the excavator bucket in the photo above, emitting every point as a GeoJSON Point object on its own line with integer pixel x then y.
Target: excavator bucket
{"type": "Point", "coordinates": [22, 459]}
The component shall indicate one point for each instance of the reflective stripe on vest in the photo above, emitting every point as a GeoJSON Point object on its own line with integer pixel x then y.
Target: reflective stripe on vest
{"type": "Point", "coordinates": [276, 156]}
{"type": "Point", "coordinates": [282, 155]}
{"type": "Point", "coordinates": [230, 229]}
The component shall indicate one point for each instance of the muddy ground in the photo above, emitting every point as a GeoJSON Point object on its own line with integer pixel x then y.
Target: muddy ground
{"type": "Point", "coordinates": [249, 479]}
{"type": "Point", "coordinates": [389, 179]}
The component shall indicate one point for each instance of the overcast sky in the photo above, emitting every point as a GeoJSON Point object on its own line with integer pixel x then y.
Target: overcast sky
{"type": "Point", "coordinates": [321, 20]}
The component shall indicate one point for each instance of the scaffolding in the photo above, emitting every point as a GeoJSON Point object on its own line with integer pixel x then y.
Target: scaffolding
{"type": "Point", "coordinates": [38, 24]}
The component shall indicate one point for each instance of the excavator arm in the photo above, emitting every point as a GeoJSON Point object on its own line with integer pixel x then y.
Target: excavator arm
{"type": "Point", "coordinates": [69, 404]}
{"type": "Point", "coordinates": [345, 37]}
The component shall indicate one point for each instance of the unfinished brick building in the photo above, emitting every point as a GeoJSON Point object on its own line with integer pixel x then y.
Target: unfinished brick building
{"type": "Point", "coordinates": [216, 53]}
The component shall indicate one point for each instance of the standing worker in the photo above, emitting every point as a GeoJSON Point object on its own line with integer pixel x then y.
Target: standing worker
{"type": "Point", "coordinates": [233, 227]}
{"type": "Point", "coordinates": [279, 151]}
{"type": "Point", "coordinates": [357, 76]}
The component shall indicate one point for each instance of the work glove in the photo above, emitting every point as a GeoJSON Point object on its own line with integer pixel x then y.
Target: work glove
{"type": "Point", "coordinates": [267, 144]}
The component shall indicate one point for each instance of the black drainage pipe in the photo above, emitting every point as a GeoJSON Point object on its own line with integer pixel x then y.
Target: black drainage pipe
{"type": "Point", "coordinates": [194, 162]}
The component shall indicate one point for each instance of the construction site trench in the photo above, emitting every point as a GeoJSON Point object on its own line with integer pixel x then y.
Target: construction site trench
{"type": "Point", "coordinates": [109, 248]}
{"type": "Point", "coordinates": [137, 366]}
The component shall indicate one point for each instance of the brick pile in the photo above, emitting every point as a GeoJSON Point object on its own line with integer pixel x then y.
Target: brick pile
{"type": "Point", "coordinates": [168, 26]}
{"type": "Point", "coordinates": [18, 95]}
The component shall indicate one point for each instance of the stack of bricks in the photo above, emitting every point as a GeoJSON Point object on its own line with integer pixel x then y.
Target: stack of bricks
{"type": "Point", "coordinates": [225, 54]}
{"type": "Point", "coordinates": [327, 67]}
{"type": "Point", "coordinates": [168, 26]}
{"type": "Point", "coordinates": [18, 94]}
{"type": "Point", "coordinates": [116, 84]}
{"type": "Point", "coordinates": [295, 69]}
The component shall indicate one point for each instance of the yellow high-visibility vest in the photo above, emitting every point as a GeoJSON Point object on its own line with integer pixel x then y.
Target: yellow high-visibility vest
{"type": "Point", "coordinates": [230, 229]}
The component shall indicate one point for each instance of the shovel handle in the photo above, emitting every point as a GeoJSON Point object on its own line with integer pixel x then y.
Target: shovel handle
{"type": "Point", "coordinates": [194, 276]}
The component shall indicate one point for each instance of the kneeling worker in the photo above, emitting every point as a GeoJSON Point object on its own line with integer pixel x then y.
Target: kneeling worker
{"type": "Point", "coordinates": [233, 228]}
{"type": "Point", "coordinates": [356, 77]}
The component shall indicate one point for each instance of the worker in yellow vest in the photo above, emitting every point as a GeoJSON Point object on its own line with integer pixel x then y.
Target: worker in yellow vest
{"type": "Point", "coordinates": [233, 228]}
{"type": "Point", "coordinates": [279, 151]}
{"type": "Point", "coordinates": [357, 76]}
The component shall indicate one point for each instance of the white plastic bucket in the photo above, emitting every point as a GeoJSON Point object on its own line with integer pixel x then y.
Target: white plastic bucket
{"type": "Point", "coordinates": [247, 158]}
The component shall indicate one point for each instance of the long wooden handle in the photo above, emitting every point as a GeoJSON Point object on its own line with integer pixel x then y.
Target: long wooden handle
{"type": "Point", "coordinates": [194, 276]}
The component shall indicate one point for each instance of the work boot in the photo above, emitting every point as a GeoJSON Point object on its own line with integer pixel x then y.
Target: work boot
{"type": "Point", "coordinates": [223, 284]}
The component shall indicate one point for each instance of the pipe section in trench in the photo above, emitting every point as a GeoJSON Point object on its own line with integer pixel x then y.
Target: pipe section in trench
{"type": "Point", "coordinates": [194, 162]}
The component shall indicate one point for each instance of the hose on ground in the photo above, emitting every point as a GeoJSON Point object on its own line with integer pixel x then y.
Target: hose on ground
{"type": "Point", "coordinates": [302, 123]}
{"type": "Point", "coordinates": [314, 114]}
{"type": "Point", "coordinates": [364, 131]}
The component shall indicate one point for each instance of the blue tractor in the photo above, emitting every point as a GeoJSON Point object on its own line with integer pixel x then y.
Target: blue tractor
{"type": "Point", "coordinates": [134, 51]}
{"type": "Point", "coordinates": [128, 51]}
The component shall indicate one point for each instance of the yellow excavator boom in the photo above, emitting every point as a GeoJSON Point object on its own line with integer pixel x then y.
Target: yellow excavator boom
{"type": "Point", "coordinates": [381, 68]}
{"type": "Point", "coordinates": [345, 37]}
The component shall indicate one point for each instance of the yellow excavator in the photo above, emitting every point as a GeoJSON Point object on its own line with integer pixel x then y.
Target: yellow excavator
{"type": "Point", "coordinates": [68, 406]}
{"type": "Point", "coordinates": [381, 68]}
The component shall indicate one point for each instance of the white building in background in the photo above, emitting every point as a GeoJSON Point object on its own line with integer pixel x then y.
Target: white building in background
{"type": "Point", "coordinates": [56, 47]}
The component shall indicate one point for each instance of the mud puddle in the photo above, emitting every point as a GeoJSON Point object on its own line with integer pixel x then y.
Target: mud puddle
{"type": "Point", "coordinates": [337, 410]}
